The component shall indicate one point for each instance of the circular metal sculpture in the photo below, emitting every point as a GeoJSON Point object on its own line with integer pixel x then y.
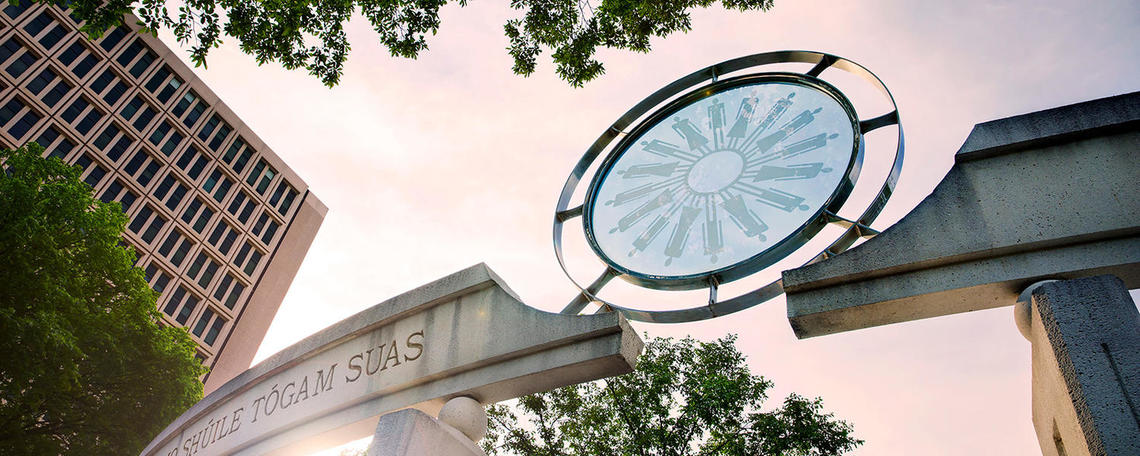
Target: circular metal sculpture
{"type": "Point", "coordinates": [722, 178]}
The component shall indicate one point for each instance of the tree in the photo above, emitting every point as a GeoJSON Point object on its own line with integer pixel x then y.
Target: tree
{"type": "Point", "coordinates": [684, 398]}
{"type": "Point", "coordinates": [310, 34]}
{"type": "Point", "coordinates": [85, 367]}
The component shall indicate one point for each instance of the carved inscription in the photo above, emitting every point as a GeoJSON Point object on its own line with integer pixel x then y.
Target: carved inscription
{"type": "Point", "coordinates": [293, 395]}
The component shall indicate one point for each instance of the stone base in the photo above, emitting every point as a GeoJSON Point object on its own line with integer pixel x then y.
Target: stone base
{"type": "Point", "coordinates": [410, 432]}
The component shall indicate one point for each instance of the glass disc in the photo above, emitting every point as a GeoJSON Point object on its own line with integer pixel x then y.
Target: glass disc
{"type": "Point", "coordinates": [720, 177]}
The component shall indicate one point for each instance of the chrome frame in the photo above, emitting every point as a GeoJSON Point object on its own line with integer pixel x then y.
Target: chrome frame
{"type": "Point", "coordinates": [854, 228]}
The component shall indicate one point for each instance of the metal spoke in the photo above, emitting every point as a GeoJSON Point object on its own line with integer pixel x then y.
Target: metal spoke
{"type": "Point", "coordinates": [588, 295]}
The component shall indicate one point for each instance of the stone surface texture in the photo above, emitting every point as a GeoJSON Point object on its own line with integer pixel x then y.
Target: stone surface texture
{"type": "Point", "coordinates": [1045, 195]}
{"type": "Point", "coordinates": [411, 432]}
{"type": "Point", "coordinates": [466, 334]}
{"type": "Point", "coordinates": [1085, 337]}
{"type": "Point", "coordinates": [467, 415]}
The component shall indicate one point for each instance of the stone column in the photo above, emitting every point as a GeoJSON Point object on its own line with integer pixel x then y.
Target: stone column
{"type": "Point", "coordinates": [461, 425]}
{"type": "Point", "coordinates": [1085, 337]}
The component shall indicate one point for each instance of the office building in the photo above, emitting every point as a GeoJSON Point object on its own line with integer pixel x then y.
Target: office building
{"type": "Point", "coordinates": [220, 224]}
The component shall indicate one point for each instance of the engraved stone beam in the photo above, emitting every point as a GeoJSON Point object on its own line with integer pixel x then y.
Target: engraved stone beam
{"type": "Point", "coordinates": [466, 334]}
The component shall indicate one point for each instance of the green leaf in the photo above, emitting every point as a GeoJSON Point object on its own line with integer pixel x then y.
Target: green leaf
{"type": "Point", "coordinates": [309, 34]}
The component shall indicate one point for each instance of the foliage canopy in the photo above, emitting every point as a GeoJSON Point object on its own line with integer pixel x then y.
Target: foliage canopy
{"type": "Point", "coordinates": [85, 368]}
{"type": "Point", "coordinates": [684, 398]}
{"type": "Point", "coordinates": [310, 34]}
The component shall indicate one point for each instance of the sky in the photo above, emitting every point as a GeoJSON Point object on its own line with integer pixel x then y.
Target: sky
{"type": "Point", "coordinates": [431, 165]}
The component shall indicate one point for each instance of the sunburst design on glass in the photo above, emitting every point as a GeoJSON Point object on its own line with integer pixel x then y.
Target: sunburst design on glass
{"type": "Point", "coordinates": [721, 179]}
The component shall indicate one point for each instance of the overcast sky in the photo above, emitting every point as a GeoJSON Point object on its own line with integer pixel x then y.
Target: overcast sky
{"type": "Point", "coordinates": [432, 165]}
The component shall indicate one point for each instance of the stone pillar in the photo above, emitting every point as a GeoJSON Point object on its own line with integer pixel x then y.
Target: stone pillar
{"type": "Point", "coordinates": [461, 425]}
{"type": "Point", "coordinates": [1085, 337]}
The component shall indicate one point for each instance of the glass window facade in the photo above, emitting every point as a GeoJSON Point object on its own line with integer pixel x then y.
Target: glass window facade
{"type": "Point", "coordinates": [206, 206]}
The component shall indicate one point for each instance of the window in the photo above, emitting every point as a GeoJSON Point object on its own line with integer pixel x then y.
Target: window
{"type": "Point", "coordinates": [199, 213]}
{"type": "Point", "coordinates": [287, 201]}
{"type": "Point", "coordinates": [163, 84]}
{"type": "Point", "coordinates": [216, 328]}
{"type": "Point", "coordinates": [128, 55]}
{"type": "Point", "coordinates": [194, 114]}
{"type": "Point", "coordinates": [113, 38]}
{"type": "Point", "coordinates": [249, 256]}
{"type": "Point", "coordinates": [176, 195]}
{"type": "Point", "coordinates": [45, 79]}
{"type": "Point", "coordinates": [140, 220]}
{"type": "Point", "coordinates": [9, 111]}
{"type": "Point", "coordinates": [172, 187]}
{"type": "Point", "coordinates": [23, 122]}
{"type": "Point", "coordinates": [203, 269]}
{"type": "Point", "coordinates": [56, 93]}
{"type": "Point", "coordinates": [254, 259]}
{"type": "Point", "coordinates": [226, 294]}
{"type": "Point", "coordinates": [175, 301]}
{"type": "Point", "coordinates": [112, 142]}
{"type": "Point", "coordinates": [157, 278]}
{"type": "Point", "coordinates": [39, 23]}
{"type": "Point", "coordinates": [131, 108]}
{"type": "Point", "coordinates": [92, 174]}
{"type": "Point", "coordinates": [187, 309]}
{"type": "Point", "coordinates": [105, 78]}
{"type": "Point", "coordinates": [221, 235]}
{"type": "Point", "coordinates": [139, 110]}
{"type": "Point", "coordinates": [24, 57]}
{"type": "Point", "coordinates": [143, 63]}
{"type": "Point", "coordinates": [203, 321]}
{"type": "Point", "coordinates": [48, 139]}
{"type": "Point", "coordinates": [266, 227]}
{"type": "Point", "coordinates": [14, 11]}
{"type": "Point", "coordinates": [43, 22]}
{"type": "Point", "coordinates": [175, 247]}
{"type": "Point", "coordinates": [41, 81]}
{"type": "Point", "coordinates": [223, 132]}
{"type": "Point", "coordinates": [263, 171]}
{"type": "Point", "coordinates": [145, 58]}
{"type": "Point", "coordinates": [142, 166]}
{"type": "Point", "coordinates": [172, 141]}
{"type": "Point", "coordinates": [242, 206]}
{"type": "Point", "coordinates": [184, 103]}
{"type": "Point", "coordinates": [184, 299]}
{"type": "Point", "coordinates": [117, 191]}
{"type": "Point", "coordinates": [74, 114]}
{"type": "Point", "coordinates": [192, 162]}
{"type": "Point", "coordinates": [53, 36]}
{"type": "Point", "coordinates": [209, 127]}
{"type": "Point", "coordinates": [238, 155]}
{"type": "Point", "coordinates": [117, 87]}
{"type": "Point", "coordinates": [219, 184]}
{"type": "Point", "coordinates": [80, 59]}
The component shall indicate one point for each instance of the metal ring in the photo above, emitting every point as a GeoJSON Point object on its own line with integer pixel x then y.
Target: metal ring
{"type": "Point", "coordinates": [855, 229]}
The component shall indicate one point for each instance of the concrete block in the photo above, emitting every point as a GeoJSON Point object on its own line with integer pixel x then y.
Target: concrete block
{"type": "Point", "coordinates": [1086, 367]}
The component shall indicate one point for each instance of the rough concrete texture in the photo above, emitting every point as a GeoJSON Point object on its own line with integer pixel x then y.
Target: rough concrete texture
{"type": "Point", "coordinates": [466, 334]}
{"type": "Point", "coordinates": [1086, 368]}
{"type": "Point", "coordinates": [1031, 197]}
{"type": "Point", "coordinates": [411, 432]}
{"type": "Point", "coordinates": [467, 415]}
